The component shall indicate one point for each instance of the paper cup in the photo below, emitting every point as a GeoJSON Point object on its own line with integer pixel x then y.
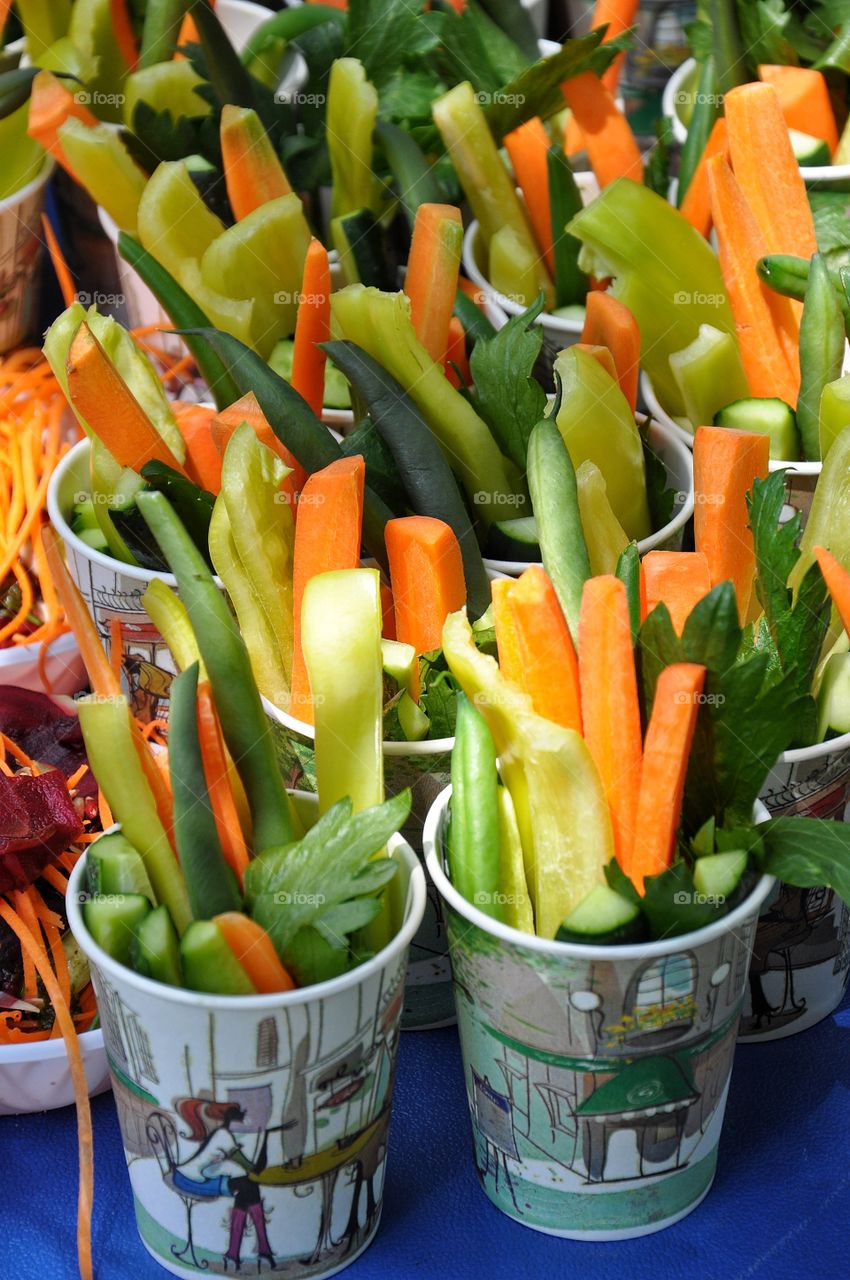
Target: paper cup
{"type": "Point", "coordinates": [113, 590]}
{"type": "Point", "coordinates": [596, 1076]}
{"type": "Point", "coordinates": [20, 254]}
{"type": "Point", "coordinates": [801, 956]}
{"type": "Point", "coordinates": [425, 767]}
{"type": "Point", "coordinates": [255, 1127]}
{"type": "Point", "coordinates": [801, 477]}
{"type": "Point", "coordinates": [680, 472]}
{"type": "Point", "coordinates": [675, 105]}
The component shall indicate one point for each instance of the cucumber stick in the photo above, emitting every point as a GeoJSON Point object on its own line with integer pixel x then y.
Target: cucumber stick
{"type": "Point", "coordinates": [554, 497]}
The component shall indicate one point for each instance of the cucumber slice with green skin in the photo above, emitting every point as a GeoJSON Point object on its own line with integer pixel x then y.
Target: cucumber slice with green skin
{"type": "Point", "coordinates": [397, 659]}
{"type": "Point", "coordinates": [603, 918]}
{"type": "Point", "coordinates": [93, 538]}
{"type": "Point", "coordinates": [85, 517]}
{"type": "Point", "coordinates": [718, 875]}
{"type": "Point", "coordinates": [834, 696]}
{"type": "Point", "coordinates": [156, 949]}
{"type": "Point", "coordinates": [115, 867]}
{"type": "Point", "coordinates": [112, 920]}
{"type": "Point", "coordinates": [209, 964]}
{"type": "Point", "coordinates": [808, 150]}
{"type": "Point", "coordinates": [337, 392]}
{"type": "Point", "coordinates": [767, 416]}
{"type": "Point", "coordinates": [514, 539]}
{"type": "Point", "coordinates": [413, 720]}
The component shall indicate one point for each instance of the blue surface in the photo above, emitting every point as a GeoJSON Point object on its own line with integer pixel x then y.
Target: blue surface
{"type": "Point", "coordinates": [779, 1209]}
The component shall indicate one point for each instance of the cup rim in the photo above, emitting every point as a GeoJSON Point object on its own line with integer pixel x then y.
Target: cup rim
{"type": "Point", "coordinates": [427, 747]}
{"type": "Point", "coordinates": [413, 911]}
{"type": "Point", "coordinates": [573, 950]}
{"type": "Point", "coordinates": [556, 323]}
{"type": "Point", "coordinates": [659, 536]}
{"type": "Point", "coordinates": [10, 656]}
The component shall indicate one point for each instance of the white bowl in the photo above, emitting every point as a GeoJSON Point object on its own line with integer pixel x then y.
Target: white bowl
{"type": "Point", "coordinates": [679, 462]}
{"type": "Point", "coordinates": [681, 84]}
{"type": "Point", "coordinates": [64, 667]}
{"type": "Point", "coordinates": [35, 1077]}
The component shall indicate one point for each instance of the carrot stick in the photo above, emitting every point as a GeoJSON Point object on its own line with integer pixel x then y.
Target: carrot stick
{"type": "Point", "coordinates": [116, 647]}
{"type": "Point", "coordinates": [189, 33]}
{"type": "Point", "coordinates": [601, 355]}
{"type": "Point", "coordinates": [726, 462]}
{"type": "Point", "coordinates": [253, 174]}
{"type": "Point", "coordinates": [609, 702]}
{"type": "Point", "coordinates": [432, 275]}
{"type": "Point", "coordinates": [203, 459]}
{"type": "Point", "coordinates": [312, 326]}
{"type": "Point", "coordinates": [5, 6]}
{"type": "Point", "coordinates": [457, 364]}
{"type": "Point", "coordinates": [327, 536]}
{"type": "Point", "coordinates": [387, 613]}
{"type": "Point", "coordinates": [696, 206]}
{"type": "Point", "coordinates": [426, 569]}
{"type": "Point", "coordinates": [759, 318]}
{"type": "Point", "coordinates": [804, 98]}
{"type": "Point", "coordinates": [528, 149]}
{"type": "Point", "coordinates": [122, 29]}
{"type": "Point", "coordinates": [247, 409]}
{"type": "Point", "coordinates": [507, 643]}
{"type": "Point", "coordinates": [101, 676]}
{"type": "Point", "coordinates": [619, 16]}
{"type": "Point", "coordinates": [60, 266]}
{"type": "Point", "coordinates": [51, 104]}
{"type": "Point", "coordinates": [31, 946]}
{"type": "Point", "coordinates": [837, 580]}
{"type": "Point", "coordinates": [678, 579]}
{"type": "Point", "coordinates": [217, 775]}
{"type": "Point", "coordinates": [665, 766]}
{"type": "Point", "coordinates": [611, 146]}
{"type": "Point", "coordinates": [549, 667]}
{"type": "Point", "coordinates": [609, 323]}
{"type": "Point", "coordinates": [767, 170]}
{"type": "Point", "coordinates": [255, 951]}
{"type": "Point", "coordinates": [105, 402]}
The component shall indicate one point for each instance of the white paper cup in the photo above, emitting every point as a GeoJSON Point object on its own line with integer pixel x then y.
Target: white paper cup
{"type": "Point", "coordinates": [296, 1086]}
{"type": "Point", "coordinates": [425, 767]}
{"type": "Point", "coordinates": [113, 590]}
{"type": "Point", "coordinates": [680, 476]}
{"type": "Point", "coordinates": [596, 1076]}
{"type": "Point", "coordinates": [801, 957]}
{"type": "Point", "coordinates": [20, 254]}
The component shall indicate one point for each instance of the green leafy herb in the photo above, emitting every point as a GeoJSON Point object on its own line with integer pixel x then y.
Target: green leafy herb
{"type": "Point", "coordinates": [507, 395]}
{"type": "Point", "coordinates": [808, 852]}
{"type": "Point", "coordinates": [310, 895]}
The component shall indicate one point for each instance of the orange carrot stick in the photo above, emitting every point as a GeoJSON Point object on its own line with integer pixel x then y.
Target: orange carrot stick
{"type": "Point", "coordinates": [549, 664]}
{"type": "Point", "coordinates": [203, 459]}
{"type": "Point", "coordinates": [247, 409]}
{"type": "Point", "coordinates": [457, 363]}
{"type": "Point", "coordinates": [696, 206]}
{"type": "Point", "coordinates": [602, 355]}
{"type": "Point", "coordinates": [679, 579]}
{"type": "Point", "coordinates": [507, 643]}
{"type": "Point", "coordinates": [665, 766]}
{"type": "Point", "coordinates": [253, 174]}
{"type": "Point", "coordinates": [101, 676]}
{"type": "Point", "coordinates": [619, 16]}
{"type": "Point", "coordinates": [609, 703]}
{"type": "Point", "coordinates": [60, 266]}
{"type": "Point", "coordinates": [189, 33]}
{"type": "Point", "coordinates": [837, 580]}
{"type": "Point", "coordinates": [122, 29]}
{"type": "Point", "coordinates": [611, 146]}
{"type": "Point", "coordinates": [528, 149]}
{"type": "Point", "coordinates": [312, 326]}
{"type": "Point", "coordinates": [726, 462]}
{"type": "Point", "coordinates": [804, 98]}
{"type": "Point", "coordinates": [51, 104]}
{"type": "Point", "coordinates": [759, 318]}
{"type": "Point", "coordinates": [432, 275]}
{"type": "Point", "coordinates": [255, 951]}
{"type": "Point", "coordinates": [217, 774]}
{"type": "Point", "coordinates": [426, 569]}
{"type": "Point", "coordinates": [609, 323]}
{"type": "Point", "coordinates": [102, 397]}
{"type": "Point", "coordinates": [327, 536]}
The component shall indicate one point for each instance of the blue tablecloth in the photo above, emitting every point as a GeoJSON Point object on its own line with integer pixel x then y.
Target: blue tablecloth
{"type": "Point", "coordinates": [779, 1209]}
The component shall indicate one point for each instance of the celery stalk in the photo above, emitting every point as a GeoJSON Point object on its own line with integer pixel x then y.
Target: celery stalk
{"type": "Point", "coordinates": [710, 374]}
{"type": "Point", "coordinates": [603, 534]}
{"type": "Point", "coordinates": [112, 755]}
{"type": "Point", "coordinates": [352, 112]}
{"type": "Point", "coordinates": [561, 811]}
{"type": "Point", "coordinates": [168, 614]}
{"type": "Point", "coordinates": [380, 324]}
{"type": "Point", "coordinates": [485, 179]}
{"type": "Point", "coordinates": [263, 533]}
{"type": "Point", "coordinates": [341, 638]}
